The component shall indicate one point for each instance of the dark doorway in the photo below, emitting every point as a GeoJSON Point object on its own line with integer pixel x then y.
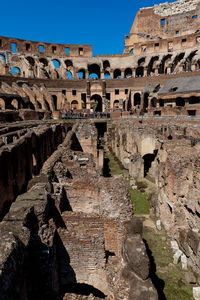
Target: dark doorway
{"type": "Point", "coordinates": [96, 103]}
{"type": "Point", "coordinates": [148, 159]}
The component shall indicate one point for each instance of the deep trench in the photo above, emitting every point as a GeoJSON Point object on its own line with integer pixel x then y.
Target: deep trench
{"type": "Point", "coordinates": [158, 283]}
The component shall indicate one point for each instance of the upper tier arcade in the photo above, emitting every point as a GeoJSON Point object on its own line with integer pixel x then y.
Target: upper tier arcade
{"type": "Point", "coordinates": [165, 28]}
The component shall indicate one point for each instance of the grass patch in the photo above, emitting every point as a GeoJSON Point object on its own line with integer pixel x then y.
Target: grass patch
{"type": "Point", "coordinates": [140, 202]}
{"type": "Point", "coordinates": [114, 165]}
{"type": "Point", "coordinates": [176, 286]}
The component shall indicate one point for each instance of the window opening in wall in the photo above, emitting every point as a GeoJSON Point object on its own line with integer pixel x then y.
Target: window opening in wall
{"type": "Point", "coordinates": [131, 51]}
{"type": "Point", "coordinates": [55, 101]}
{"type": "Point", "coordinates": [108, 96]}
{"type": "Point", "coordinates": [148, 36]}
{"type": "Point", "coordinates": [173, 89]}
{"type": "Point", "coordinates": [53, 49]}
{"type": "Point", "coordinates": [28, 46]}
{"type": "Point", "coordinates": [126, 91]}
{"type": "Point", "coordinates": [83, 99]}
{"type": "Point", "coordinates": [80, 51]}
{"type": "Point", "coordinates": [74, 92]}
{"type": "Point", "coordinates": [194, 17]}
{"type": "Point", "coordinates": [13, 46]}
{"type": "Point", "coordinates": [162, 22]}
{"type": "Point", "coordinates": [156, 45]}
{"type": "Point", "coordinates": [157, 112]}
{"type": "Point", "coordinates": [177, 32]}
{"type": "Point", "coordinates": [0, 42]}
{"type": "Point", "coordinates": [191, 112]}
{"type": "Point", "coordinates": [41, 48]}
{"type": "Point", "coordinates": [64, 92]}
{"type": "Point", "coordinates": [66, 50]}
{"type": "Point", "coordinates": [183, 41]}
{"type": "Point", "coordinates": [116, 92]}
{"type": "Point", "coordinates": [144, 48]}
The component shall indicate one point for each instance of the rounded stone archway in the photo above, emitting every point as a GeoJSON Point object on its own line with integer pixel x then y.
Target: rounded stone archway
{"type": "Point", "coordinates": [96, 103]}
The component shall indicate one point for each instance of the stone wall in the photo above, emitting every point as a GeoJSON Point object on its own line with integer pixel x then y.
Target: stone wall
{"type": "Point", "coordinates": [23, 158]}
{"type": "Point", "coordinates": [168, 151]}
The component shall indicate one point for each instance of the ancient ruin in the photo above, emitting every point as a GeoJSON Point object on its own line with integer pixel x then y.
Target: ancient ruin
{"type": "Point", "coordinates": [71, 227]}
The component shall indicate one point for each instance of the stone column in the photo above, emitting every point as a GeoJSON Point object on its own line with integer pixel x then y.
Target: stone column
{"type": "Point", "coordinates": [133, 72]}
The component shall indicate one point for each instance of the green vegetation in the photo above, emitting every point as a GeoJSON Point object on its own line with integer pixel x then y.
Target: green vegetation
{"type": "Point", "coordinates": [176, 286]}
{"type": "Point", "coordinates": [140, 202]}
{"type": "Point", "coordinates": [138, 196]}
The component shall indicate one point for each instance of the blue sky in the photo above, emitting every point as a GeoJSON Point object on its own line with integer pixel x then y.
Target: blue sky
{"type": "Point", "coordinates": [103, 24]}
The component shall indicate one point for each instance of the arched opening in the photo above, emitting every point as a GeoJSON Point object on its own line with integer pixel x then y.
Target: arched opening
{"type": "Point", "coordinates": [137, 99]}
{"type": "Point", "coordinates": [94, 71]}
{"type": "Point", "coordinates": [74, 105]}
{"type": "Point", "coordinates": [146, 102]}
{"type": "Point", "coordinates": [139, 72]}
{"type": "Point", "coordinates": [54, 98]}
{"type": "Point", "coordinates": [39, 104]}
{"type": "Point", "coordinates": [162, 68]}
{"type": "Point", "coordinates": [30, 60]}
{"type": "Point", "coordinates": [3, 57]}
{"type": "Point", "coordinates": [96, 103]}
{"type": "Point", "coordinates": [44, 61]}
{"type": "Point", "coordinates": [16, 72]}
{"type": "Point", "coordinates": [106, 64]}
{"type": "Point", "coordinates": [151, 66]}
{"type": "Point", "coordinates": [56, 63]}
{"type": "Point", "coordinates": [69, 63]}
{"type": "Point", "coordinates": [148, 159]}
{"type": "Point", "coordinates": [131, 51]}
{"type": "Point", "coordinates": [106, 75]}
{"type": "Point", "coordinates": [177, 59]}
{"type": "Point", "coordinates": [117, 74]}
{"type": "Point", "coordinates": [116, 104]}
{"type": "Point", "coordinates": [69, 75]}
{"type": "Point", "coordinates": [180, 101]}
{"type": "Point", "coordinates": [128, 73]}
{"type": "Point", "coordinates": [81, 74]}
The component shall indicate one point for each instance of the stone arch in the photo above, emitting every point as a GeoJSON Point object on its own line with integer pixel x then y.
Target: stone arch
{"type": "Point", "coordinates": [94, 71]}
{"type": "Point", "coordinates": [31, 61]}
{"type": "Point", "coordinates": [139, 71]}
{"type": "Point", "coordinates": [128, 73]}
{"type": "Point", "coordinates": [151, 68]}
{"type": "Point", "coordinates": [176, 60]}
{"type": "Point", "coordinates": [81, 74]}
{"type": "Point", "coordinates": [117, 73]}
{"type": "Point", "coordinates": [74, 104]}
{"type": "Point", "coordinates": [44, 61]}
{"type": "Point", "coordinates": [137, 99]}
{"type": "Point", "coordinates": [116, 104]}
{"type": "Point", "coordinates": [106, 65]}
{"type": "Point", "coordinates": [162, 67]}
{"type": "Point", "coordinates": [16, 72]}
{"type": "Point", "coordinates": [68, 63]}
{"type": "Point", "coordinates": [56, 63]}
{"type": "Point", "coordinates": [96, 102]}
{"type": "Point", "coordinates": [180, 101]}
